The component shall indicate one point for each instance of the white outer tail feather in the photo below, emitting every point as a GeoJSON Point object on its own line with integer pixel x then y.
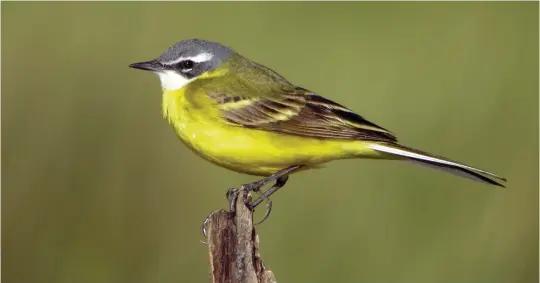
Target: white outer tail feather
{"type": "Point", "coordinates": [425, 159]}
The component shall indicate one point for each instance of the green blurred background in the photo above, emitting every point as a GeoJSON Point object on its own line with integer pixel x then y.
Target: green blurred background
{"type": "Point", "coordinates": [97, 188]}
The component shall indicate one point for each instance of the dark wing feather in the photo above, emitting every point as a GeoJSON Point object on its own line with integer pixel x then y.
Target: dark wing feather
{"type": "Point", "coordinates": [299, 112]}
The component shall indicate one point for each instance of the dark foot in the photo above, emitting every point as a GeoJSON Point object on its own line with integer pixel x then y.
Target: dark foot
{"type": "Point", "coordinates": [280, 182]}
{"type": "Point", "coordinates": [280, 177]}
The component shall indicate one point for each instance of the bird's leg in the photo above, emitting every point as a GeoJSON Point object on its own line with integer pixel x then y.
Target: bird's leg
{"type": "Point", "coordinates": [280, 177]}
{"type": "Point", "coordinates": [256, 186]}
{"type": "Point", "coordinates": [280, 182]}
{"type": "Point", "coordinates": [275, 176]}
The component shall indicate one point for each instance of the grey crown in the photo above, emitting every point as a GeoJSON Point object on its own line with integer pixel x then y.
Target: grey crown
{"type": "Point", "coordinates": [192, 48]}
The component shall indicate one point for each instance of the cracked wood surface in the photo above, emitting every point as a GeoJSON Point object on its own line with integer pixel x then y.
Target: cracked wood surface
{"type": "Point", "coordinates": [233, 247]}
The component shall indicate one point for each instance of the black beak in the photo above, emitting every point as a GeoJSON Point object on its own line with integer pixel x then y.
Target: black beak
{"type": "Point", "coordinates": [152, 65]}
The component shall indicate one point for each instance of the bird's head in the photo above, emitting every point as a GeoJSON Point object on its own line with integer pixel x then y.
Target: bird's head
{"type": "Point", "coordinates": [185, 61]}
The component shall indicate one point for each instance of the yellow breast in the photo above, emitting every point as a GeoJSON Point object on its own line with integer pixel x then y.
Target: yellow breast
{"type": "Point", "coordinates": [241, 149]}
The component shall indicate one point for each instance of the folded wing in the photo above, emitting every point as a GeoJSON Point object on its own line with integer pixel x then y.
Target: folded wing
{"type": "Point", "coordinates": [298, 112]}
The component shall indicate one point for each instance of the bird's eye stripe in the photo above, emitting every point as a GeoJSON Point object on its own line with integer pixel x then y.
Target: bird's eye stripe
{"type": "Point", "coordinates": [202, 57]}
{"type": "Point", "coordinates": [185, 65]}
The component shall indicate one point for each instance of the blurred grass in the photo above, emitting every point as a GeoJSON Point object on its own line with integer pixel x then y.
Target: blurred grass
{"type": "Point", "coordinates": [96, 187]}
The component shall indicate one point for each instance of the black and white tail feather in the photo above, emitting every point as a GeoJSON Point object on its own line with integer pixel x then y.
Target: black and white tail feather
{"type": "Point", "coordinates": [440, 163]}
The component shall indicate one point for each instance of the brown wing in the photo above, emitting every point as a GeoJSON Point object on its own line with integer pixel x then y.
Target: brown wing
{"type": "Point", "coordinates": [301, 113]}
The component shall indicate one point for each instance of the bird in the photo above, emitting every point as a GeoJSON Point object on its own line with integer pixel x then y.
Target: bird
{"type": "Point", "coordinates": [243, 116]}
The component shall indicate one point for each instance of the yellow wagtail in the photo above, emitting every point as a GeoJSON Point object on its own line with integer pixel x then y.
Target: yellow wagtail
{"type": "Point", "coordinates": [246, 117]}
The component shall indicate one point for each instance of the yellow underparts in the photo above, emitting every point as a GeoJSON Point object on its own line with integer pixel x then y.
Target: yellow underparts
{"type": "Point", "coordinates": [250, 151]}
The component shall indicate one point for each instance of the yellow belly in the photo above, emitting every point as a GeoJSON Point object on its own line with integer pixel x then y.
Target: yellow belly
{"type": "Point", "coordinates": [250, 151]}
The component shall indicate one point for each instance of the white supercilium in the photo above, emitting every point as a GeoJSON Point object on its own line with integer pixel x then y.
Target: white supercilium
{"type": "Point", "coordinates": [201, 57]}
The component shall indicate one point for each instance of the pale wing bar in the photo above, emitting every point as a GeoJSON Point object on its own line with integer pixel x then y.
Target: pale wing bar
{"type": "Point", "coordinates": [301, 113]}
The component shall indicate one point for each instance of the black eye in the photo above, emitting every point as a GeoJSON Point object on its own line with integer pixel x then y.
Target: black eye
{"type": "Point", "coordinates": [186, 65]}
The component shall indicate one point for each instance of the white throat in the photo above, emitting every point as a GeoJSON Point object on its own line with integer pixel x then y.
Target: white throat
{"type": "Point", "coordinates": [170, 80]}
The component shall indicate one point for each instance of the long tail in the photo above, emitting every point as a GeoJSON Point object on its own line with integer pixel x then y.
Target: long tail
{"type": "Point", "coordinates": [440, 163]}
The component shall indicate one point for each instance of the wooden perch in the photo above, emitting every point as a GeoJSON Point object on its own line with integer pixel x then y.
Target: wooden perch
{"type": "Point", "coordinates": [233, 246]}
